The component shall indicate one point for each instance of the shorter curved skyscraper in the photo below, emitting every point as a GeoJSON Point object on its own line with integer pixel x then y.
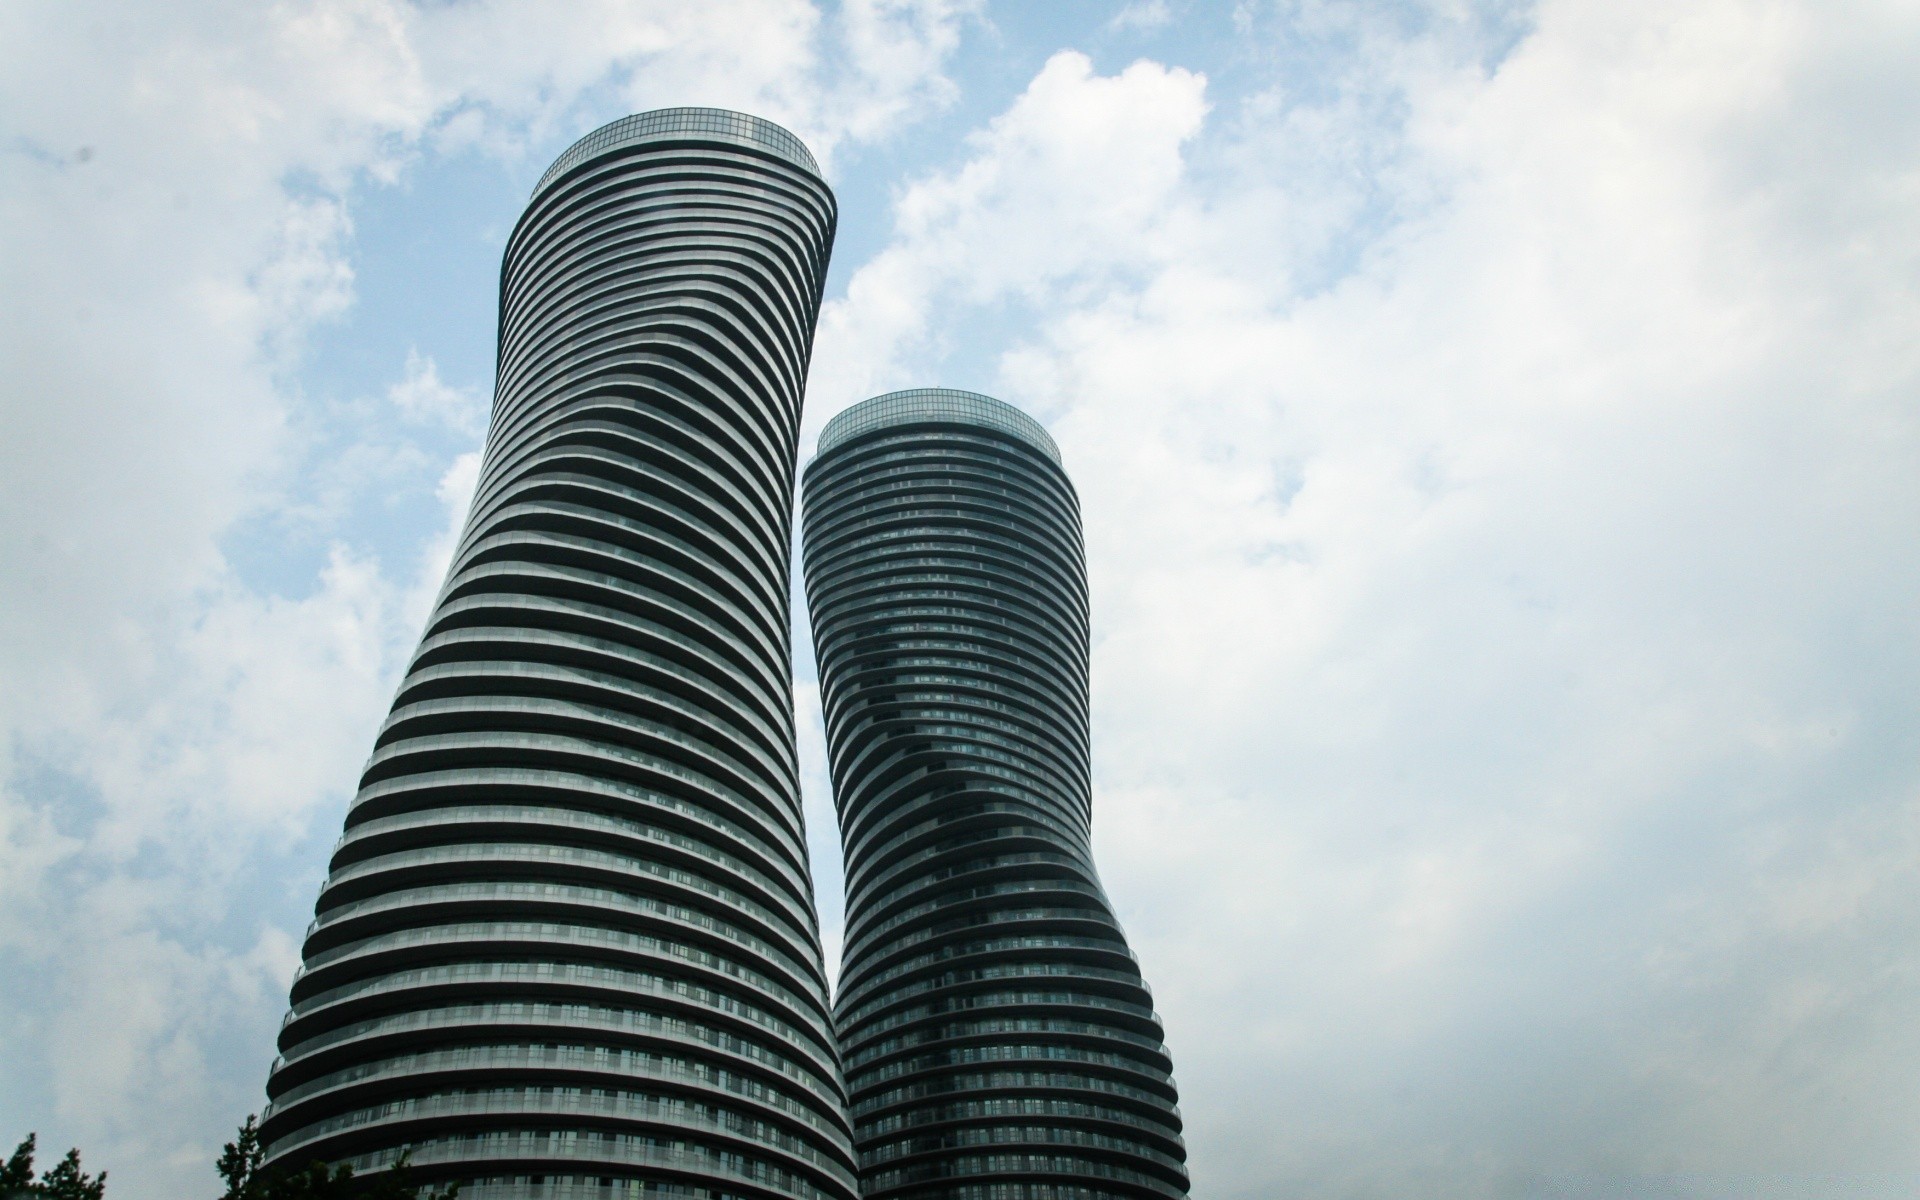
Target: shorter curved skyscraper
{"type": "Point", "coordinates": [998, 1039]}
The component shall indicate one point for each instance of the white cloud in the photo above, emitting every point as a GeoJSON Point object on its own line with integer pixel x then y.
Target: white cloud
{"type": "Point", "coordinates": [1519, 502]}
{"type": "Point", "coordinates": [424, 397]}
{"type": "Point", "coordinates": [1065, 191]}
{"type": "Point", "coordinates": [854, 76]}
{"type": "Point", "coordinates": [145, 977]}
{"type": "Point", "coordinates": [177, 207]}
{"type": "Point", "coordinates": [1509, 468]}
{"type": "Point", "coordinates": [1141, 15]}
{"type": "Point", "coordinates": [894, 51]}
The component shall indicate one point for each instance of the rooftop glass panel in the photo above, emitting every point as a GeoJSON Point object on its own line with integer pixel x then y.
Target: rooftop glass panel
{"type": "Point", "coordinates": [936, 406]}
{"type": "Point", "coordinates": [682, 124]}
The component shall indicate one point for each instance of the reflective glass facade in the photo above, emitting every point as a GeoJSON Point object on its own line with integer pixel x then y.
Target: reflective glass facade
{"type": "Point", "coordinates": [998, 1039]}
{"type": "Point", "coordinates": [567, 945]}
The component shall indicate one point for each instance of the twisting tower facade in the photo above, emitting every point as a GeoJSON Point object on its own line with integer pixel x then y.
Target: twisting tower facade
{"type": "Point", "coordinates": [567, 945]}
{"type": "Point", "coordinates": [998, 1039]}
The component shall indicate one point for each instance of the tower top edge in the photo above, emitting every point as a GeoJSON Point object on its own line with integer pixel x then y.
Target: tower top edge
{"type": "Point", "coordinates": [916, 406]}
{"type": "Point", "coordinates": [720, 125]}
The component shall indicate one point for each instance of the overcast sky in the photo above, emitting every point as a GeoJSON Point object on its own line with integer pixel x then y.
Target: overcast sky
{"type": "Point", "coordinates": [1498, 430]}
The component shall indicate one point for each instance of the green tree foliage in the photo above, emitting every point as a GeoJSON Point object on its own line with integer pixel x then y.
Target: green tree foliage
{"type": "Point", "coordinates": [66, 1181]}
{"type": "Point", "coordinates": [241, 1166]}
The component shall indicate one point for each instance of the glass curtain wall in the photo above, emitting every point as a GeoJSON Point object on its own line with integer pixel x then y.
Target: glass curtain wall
{"type": "Point", "coordinates": [998, 1039]}
{"type": "Point", "coordinates": [568, 945]}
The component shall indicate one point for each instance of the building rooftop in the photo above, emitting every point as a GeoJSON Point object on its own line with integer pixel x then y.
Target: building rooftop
{"type": "Point", "coordinates": [679, 125]}
{"type": "Point", "coordinates": [936, 405]}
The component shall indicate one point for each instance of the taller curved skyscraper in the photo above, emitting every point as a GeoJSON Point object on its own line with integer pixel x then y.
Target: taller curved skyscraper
{"type": "Point", "coordinates": [568, 945]}
{"type": "Point", "coordinates": [999, 1042]}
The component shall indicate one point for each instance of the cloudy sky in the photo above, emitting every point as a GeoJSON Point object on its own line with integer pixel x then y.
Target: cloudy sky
{"type": "Point", "coordinates": [1498, 428]}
